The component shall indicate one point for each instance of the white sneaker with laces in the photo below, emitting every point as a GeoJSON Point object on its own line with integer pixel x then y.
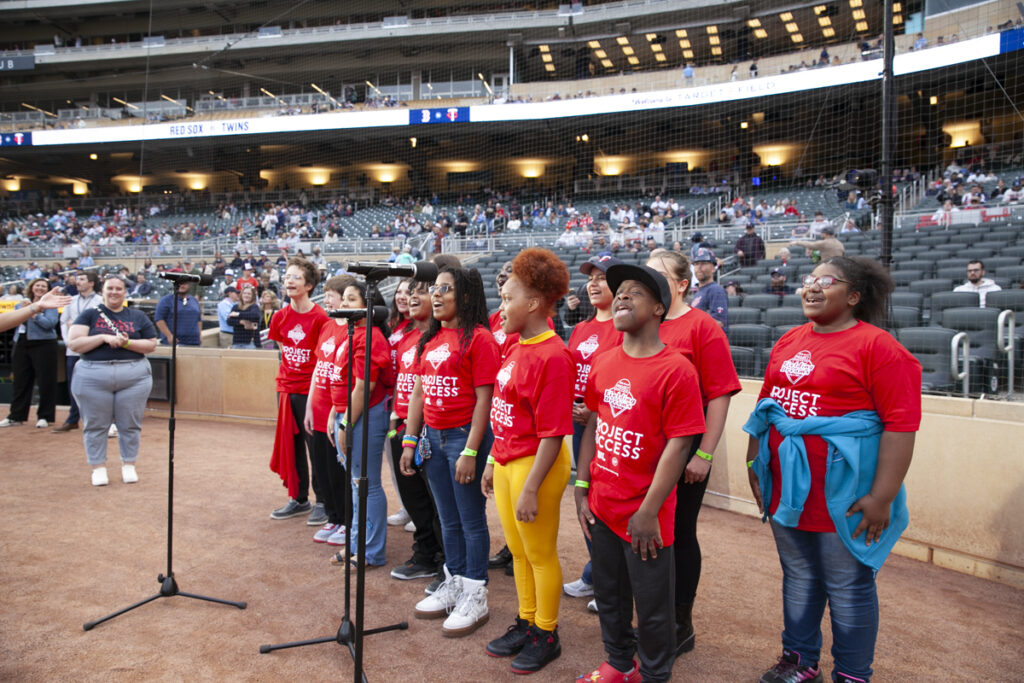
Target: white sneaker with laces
{"type": "Point", "coordinates": [112, 432]}
{"type": "Point", "coordinates": [578, 589]}
{"type": "Point", "coordinates": [128, 473]}
{"type": "Point", "coordinates": [8, 422]}
{"type": "Point", "coordinates": [441, 601]}
{"type": "Point", "coordinates": [592, 606]}
{"type": "Point", "coordinates": [339, 537]}
{"type": "Point", "coordinates": [326, 531]}
{"type": "Point", "coordinates": [470, 611]}
{"type": "Point", "coordinates": [400, 518]}
{"type": "Point", "coordinates": [410, 527]}
{"type": "Point", "coordinates": [99, 476]}
{"type": "Point", "coordinates": [42, 424]}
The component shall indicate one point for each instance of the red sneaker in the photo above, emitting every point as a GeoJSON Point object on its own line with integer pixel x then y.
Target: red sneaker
{"type": "Point", "coordinates": [607, 673]}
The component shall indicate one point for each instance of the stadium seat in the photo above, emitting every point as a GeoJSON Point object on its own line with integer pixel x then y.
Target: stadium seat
{"type": "Point", "coordinates": [750, 336]}
{"type": "Point", "coordinates": [932, 348]}
{"type": "Point", "coordinates": [979, 324]}
{"type": "Point", "coordinates": [762, 301]}
{"type": "Point", "coordinates": [791, 300]}
{"type": "Point", "coordinates": [914, 299]}
{"type": "Point", "coordinates": [928, 287]}
{"type": "Point", "coordinates": [1012, 299]}
{"type": "Point", "coordinates": [906, 276]}
{"type": "Point", "coordinates": [744, 316]}
{"type": "Point", "coordinates": [786, 315]}
{"type": "Point", "coordinates": [942, 300]}
{"type": "Point", "coordinates": [746, 361]}
{"type": "Point", "coordinates": [904, 316]}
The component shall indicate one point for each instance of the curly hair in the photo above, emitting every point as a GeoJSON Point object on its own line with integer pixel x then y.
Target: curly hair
{"type": "Point", "coordinates": [871, 280]}
{"type": "Point", "coordinates": [470, 307]}
{"type": "Point", "coordinates": [543, 272]}
{"type": "Point", "coordinates": [378, 300]}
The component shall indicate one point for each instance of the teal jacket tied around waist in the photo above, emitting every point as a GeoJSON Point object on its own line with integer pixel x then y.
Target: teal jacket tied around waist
{"type": "Point", "coordinates": [853, 440]}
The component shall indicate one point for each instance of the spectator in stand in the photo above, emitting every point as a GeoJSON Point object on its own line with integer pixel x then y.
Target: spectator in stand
{"type": "Point", "coordinates": [1014, 194]}
{"type": "Point", "coordinates": [34, 361]}
{"type": "Point", "coordinates": [141, 289]}
{"type": "Point", "coordinates": [977, 282]}
{"type": "Point", "coordinates": [818, 224]}
{"type": "Point", "coordinates": [265, 285]}
{"type": "Point", "coordinates": [226, 334]}
{"type": "Point", "coordinates": [190, 324]}
{"type": "Point", "coordinates": [750, 247]}
{"type": "Point", "coordinates": [784, 255]}
{"type": "Point", "coordinates": [269, 303]}
{"type": "Point", "coordinates": [920, 42]}
{"type": "Point", "coordinates": [244, 320]}
{"type": "Point", "coordinates": [778, 283]}
{"type": "Point", "coordinates": [849, 226]}
{"type": "Point", "coordinates": [688, 74]}
{"type": "Point", "coordinates": [229, 281]}
{"type": "Point", "coordinates": [247, 277]}
{"type": "Point", "coordinates": [710, 297]}
{"type": "Point", "coordinates": [827, 247]}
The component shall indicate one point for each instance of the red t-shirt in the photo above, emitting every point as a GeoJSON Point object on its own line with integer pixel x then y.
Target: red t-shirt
{"type": "Point", "coordinates": [506, 342]}
{"type": "Point", "coordinates": [450, 374]}
{"type": "Point", "coordinates": [702, 341]}
{"type": "Point", "coordinates": [640, 403]}
{"type": "Point", "coordinates": [401, 329]}
{"type": "Point", "coordinates": [407, 370]}
{"type": "Point", "coordinates": [588, 340]}
{"type": "Point", "coordinates": [532, 397]}
{"type": "Point", "coordinates": [812, 374]}
{"type": "Point", "coordinates": [246, 282]}
{"type": "Point", "coordinates": [380, 368]}
{"type": "Point", "coordinates": [297, 335]}
{"type": "Point", "coordinates": [332, 336]}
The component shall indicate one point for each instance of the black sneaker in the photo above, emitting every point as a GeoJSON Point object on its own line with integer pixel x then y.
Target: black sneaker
{"type": "Point", "coordinates": [317, 515]}
{"type": "Point", "coordinates": [790, 670]}
{"type": "Point", "coordinates": [413, 570]}
{"type": "Point", "coordinates": [512, 642]}
{"type": "Point", "coordinates": [502, 558]}
{"type": "Point", "coordinates": [541, 648]}
{"type": "Point", "coordinates": [510, 569]}
{"type": "Point", "coordinates": [292, 508]}
{"type": "Point", "coordinates": [435, 584]}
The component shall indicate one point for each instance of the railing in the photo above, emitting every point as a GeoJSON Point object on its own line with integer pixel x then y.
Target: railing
{"type": "Point", "coordinates": [989, 213]}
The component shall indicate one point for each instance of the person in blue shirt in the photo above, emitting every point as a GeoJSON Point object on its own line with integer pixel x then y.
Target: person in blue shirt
{"type": "Point", "coordinates": [190, 314]}
{"type": "Point", "coordinates": [710, 296]}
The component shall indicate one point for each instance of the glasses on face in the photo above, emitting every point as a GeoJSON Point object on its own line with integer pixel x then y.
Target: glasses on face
{"type": "Point", "coordinates": [440, 289]}
{"type": "Point", "coordinates": [292, 276]}
{"type": "Point", "coordinates": [974, 270]}
{"type": "Point", "coordinates": [823, 282]}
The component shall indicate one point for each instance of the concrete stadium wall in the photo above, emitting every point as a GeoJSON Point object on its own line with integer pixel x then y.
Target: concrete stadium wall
{"type": "Point", "coordinates": [965, 487]}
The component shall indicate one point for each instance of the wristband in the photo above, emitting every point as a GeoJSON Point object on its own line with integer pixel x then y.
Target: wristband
{"type": "Point", "coordinates": [127, 343]}
{"type": "Point", "coordinates": [490, 459]}
{"type": "Point", "coordinates": [704, 456]}
{"type": "Point", "coordinates": [344, 423]}
{"type": "Point", "coordinates": [469, 452]}
{"type": "Point", "coordinates": [581, 484]}
{"type": "Point", "coordinates": [393, 433]}
{"type": "Point", "coordinates": [409, 441]}
{"type": "Point", "coordinates": [750, 463]}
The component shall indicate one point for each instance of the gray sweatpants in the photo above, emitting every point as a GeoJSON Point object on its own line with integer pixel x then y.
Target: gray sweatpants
{"type": "Point", "coordinates": [111, 392]}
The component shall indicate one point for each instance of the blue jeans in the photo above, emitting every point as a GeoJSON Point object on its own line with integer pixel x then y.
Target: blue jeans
{"type": "Point", "coordinates": [577, 439]}
{"type": "Point", "coordinates": [817, 567]}
{"type": "Point", "coordinates": [461, 507]}
{"type": "Point", "coordinates": [376, 501]}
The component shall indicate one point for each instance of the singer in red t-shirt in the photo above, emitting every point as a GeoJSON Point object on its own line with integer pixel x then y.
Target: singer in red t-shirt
{"type": "Point", "coordinates": [296, 329]}
{"type": "Point", "coordinates": [646, 409]}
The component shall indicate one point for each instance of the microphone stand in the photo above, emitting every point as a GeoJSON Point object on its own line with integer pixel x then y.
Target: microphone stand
{"type": "Point", "coordinates": [351, 634]}
{"type": "Point", "coordinates": [168, 586]}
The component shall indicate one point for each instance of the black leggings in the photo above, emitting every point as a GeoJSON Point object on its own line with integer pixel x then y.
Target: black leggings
{"type": "Point", "coordinates": [34, 362]}
{"type": "Point", "coordinates": [303, 444]}
{"type": "Point", "coordinates": [417, 501]}
{"type": "Point", "coordinates": [687, 549]}
{"type": "Point", "coordinates": [335, 485]}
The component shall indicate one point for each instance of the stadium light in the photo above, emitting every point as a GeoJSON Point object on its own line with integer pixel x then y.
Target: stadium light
{"type": "Point", "coordinates": [24, 104]}
{"type": "Point", "coordinates": [127, 104]}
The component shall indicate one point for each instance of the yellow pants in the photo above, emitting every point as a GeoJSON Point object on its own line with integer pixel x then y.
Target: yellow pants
{"type": "Point", "coordinates": [534, 545]}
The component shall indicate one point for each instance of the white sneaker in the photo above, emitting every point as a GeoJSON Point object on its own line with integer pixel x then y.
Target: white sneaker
{"type": "Point", "coordinates": [326, 531]}
{"type": "Point", "coordinates": [470, 611]}
{"type": "Point", "coordinates": [443, 600]}
{"type": "Point", "coordinates": [400, 518]}
{"type": "Point", "coordinates": [8, 422]}
{"type": "Point", "coordinates": [99, 477]}
{"type": "Point", "coordinates": [128, 473]}
{"type": "Point", "coordinates": [578, 589]}
{"type": "Point", "coordinates": [410, 527]}
{"type": "Point", "coordinates": [339, 537]}
{"type": "Point", "coordinates": [112, 432]}
{"type": "Point", "coordinates": [42, 424]}
{"type": "Point", "coordinates": [592, 606]}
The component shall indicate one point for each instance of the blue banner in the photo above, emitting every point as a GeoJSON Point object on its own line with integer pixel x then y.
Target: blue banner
{"type": "Point", "coordinates": [16, 140]}
{"type": "Point", "coordinates": [439, 115]}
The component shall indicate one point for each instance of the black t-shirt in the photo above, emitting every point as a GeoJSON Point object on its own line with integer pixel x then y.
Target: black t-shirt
{"type": "Point", "coordinates": [130, 322]}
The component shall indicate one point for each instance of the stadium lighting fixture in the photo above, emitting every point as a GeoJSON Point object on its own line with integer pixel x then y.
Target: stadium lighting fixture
{"type": "Point", "coordinates": [627, 50]}
{"type": "Point", "coordinates": [897, 19]}
{"type": "Point", "coordinates": [594, 44]}
{"type": "Point", "coordinates": [859, 15]}
{"type": "Point", "coordinates": [544, 48]}
{"type": "Point", "coordinates": [600, 54]}
{"type": "Point", "coordinates": [607, 63]}
{"type": "Point", "coordinates": [688, 54]}
{"type": "Point", "coordinates": [681, 33]}
{"type": "Point", "coordinates": [717, 51]}
{"type": "Point", "coordinates": [933, 100]}
{"type": "Point", "coordinates": [824, 21]}
{"type": "Point", "coordinates": [120, 101]}
{"type": "Point", "coordinates": [828, 31]}
{"type": "Point", "coordinates": [856, 3]}
{"type": "Point", "coordinates": [655, 47]}
{"type": "Point", "coordinates": [94, 156]}
{"type": "Point", "coordinates": [685, 44]}
{"type": "Point", "coordinates": [820, 9]}
{"type": "Point", "coordinates": [651, 37]}
{"type": "Point", "coordinates": [714, 40]}
{"type": "Point", "coordinates": [549, 67]}
{"type": "Point", "coordinates": [897, 7]}
{"type": "Point", "coordinates": [546, 57]}
{"type": "Point", "coordinates": [660, 57]}
{"type": "Point", "coordinates": [760, 33]}
{"type": "Point", "coordinates": [796, 38]}
{"type": "Point", "coordinates": [792, 27]}
{"type": "Point", "coordinates": [744, 125]}
{"type": "Point", "coordinates": [711, 30]}
{"type": "Point", "coordinates": [622, 40]}
{"type": "Point", "coordinates": [786, 16]}
{"type": "Point", "coordinates": [633, 60]}
{"type": "Point", "coordinates": [754, 23]}
{"type": "Point", "coordinates": [861, 26]}
{"type": "Point", "coordinates": [169, 99]}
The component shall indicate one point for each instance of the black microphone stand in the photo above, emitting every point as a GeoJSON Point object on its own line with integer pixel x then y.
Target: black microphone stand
{"type": "Point", "coordinates": [168, 586]}
{"type": "Point", "coordinates": [351, 634]}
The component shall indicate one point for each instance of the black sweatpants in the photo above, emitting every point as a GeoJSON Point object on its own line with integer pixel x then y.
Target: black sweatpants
{"type": "Point", "coordinates": [303, 445]}
{"type": "Point", "coordinates": [622, 579]}
{"type": "Point", "coordinates": [334, 480]}
{"type": "Point", "coordinates": [34, 362]}
{"type": "Point", "coordinates": [418, 502]}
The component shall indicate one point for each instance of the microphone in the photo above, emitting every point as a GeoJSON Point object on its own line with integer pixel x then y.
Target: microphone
{"type": "Point", "coordinates": [203, 279]}
{"type": "Point", "coordinates": [380, 314]}
{"type": "Point", "coordinates": [423, 271]}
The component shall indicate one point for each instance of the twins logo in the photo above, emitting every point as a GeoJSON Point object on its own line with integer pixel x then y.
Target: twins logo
{"type": "Point", "coordinates": [798, 367]}
{"type": "Point", "coordinates": [297, 334]}
{"type": "Point", "coordinates": [619, 398]}
{"type": "Point", "coordinates": [588, 347]}
{"type": "Point", "coordinates": [500, 336]}
{"type": "Point", "coordinates": [505, 374]}
{"type": "Point", "coordinates": [439, 355]}
{"type": "Point", "coordinates": [408, 357]}
{"type": "Point", "coordinates": [452, 114]}
{"type": "Point", "coordinates": [327, 348]}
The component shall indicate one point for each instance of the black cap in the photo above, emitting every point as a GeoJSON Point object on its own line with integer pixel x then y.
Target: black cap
{"type": "Point", "coordinates": [602, 262]}
{"type": "Point", "coordinates": [651, 279]}
{"type": "Point", "coordinates": [697, 237]}
{"type": "Point", "coordinates": [828, 231]}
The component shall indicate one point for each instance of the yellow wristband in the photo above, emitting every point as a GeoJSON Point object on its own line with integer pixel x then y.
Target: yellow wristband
{"type": "Point", "coordinates": [704, 456]}
{"type": "Point", "coordinates": [469, 452]}
{"type": "Point", "coordinates": [580, 484]}
{"type": "Point", "coordinates": [750, 463]}
{"type": "Point", "coordinates": [127, 343]}
{"type": "Point", "coordinates": [490, 459]}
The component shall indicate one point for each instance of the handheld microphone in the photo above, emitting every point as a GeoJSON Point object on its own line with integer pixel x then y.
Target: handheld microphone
{"type": "Point", "coordinates": [380, 314]}
{"type": "Point", "coordinates": [202, 278]}
{"type": "Point", "coordinates": [422, 271]}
